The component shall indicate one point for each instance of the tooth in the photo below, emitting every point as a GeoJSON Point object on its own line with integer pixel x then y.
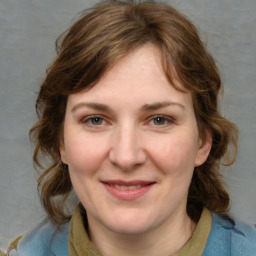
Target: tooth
{"type": "Point", "coordinates": [134, 187]}
{"type": "Point", "coordinates": [123, 187]}
{"type": "Point", "coordinates": [130, 187]}
{"type": "Point", "coordinates": [119, 186]}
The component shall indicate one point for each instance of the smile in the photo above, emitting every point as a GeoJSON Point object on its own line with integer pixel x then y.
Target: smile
{"type": "Point", "coordinates": [126, 187]}
{"type": "Point", "coordinates": [127, 190]}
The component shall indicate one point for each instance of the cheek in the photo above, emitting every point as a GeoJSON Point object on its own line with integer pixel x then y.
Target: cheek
{"type": "Point", "coordinates": [84, 155]}
{"type": "Point", "coordinates": [175, 155]}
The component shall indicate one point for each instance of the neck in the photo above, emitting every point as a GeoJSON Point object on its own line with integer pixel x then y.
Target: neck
{"type": "Point", "coordinates": [164, 240]}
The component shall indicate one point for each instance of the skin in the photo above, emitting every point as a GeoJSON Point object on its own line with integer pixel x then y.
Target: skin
{"type": "Point", "coordinates": [134, 126]}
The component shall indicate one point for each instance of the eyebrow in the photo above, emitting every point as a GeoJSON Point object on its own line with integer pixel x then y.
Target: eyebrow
{"type": "Point", "coordinates": [158, 105]}
{"type": "Point", "coordinates": [145, 108]}
{"type": "Point", "coordinates": [92, 105]}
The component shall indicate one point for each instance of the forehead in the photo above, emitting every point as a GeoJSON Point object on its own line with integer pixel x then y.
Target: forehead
{"type": "Point", "coordinates": [138, 77]}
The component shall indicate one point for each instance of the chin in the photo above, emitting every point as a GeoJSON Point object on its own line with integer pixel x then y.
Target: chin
{"type": "Point", "coordinates": [130, 224]}
{"type": "Point", "coordinates": [132, 229]}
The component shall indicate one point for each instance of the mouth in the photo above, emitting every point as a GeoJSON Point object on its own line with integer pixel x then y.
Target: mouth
{"type": "Point", "coordinates": [126, 187]}
{"type": "Point", "coordinates": [128, 190]}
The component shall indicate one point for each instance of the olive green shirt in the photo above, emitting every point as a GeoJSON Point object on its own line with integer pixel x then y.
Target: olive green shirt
{"type": "Point", "coordinates": [80, 244]}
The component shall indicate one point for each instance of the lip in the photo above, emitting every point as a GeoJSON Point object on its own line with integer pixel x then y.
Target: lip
{"type": "Point", "coordinates": [139, 188]}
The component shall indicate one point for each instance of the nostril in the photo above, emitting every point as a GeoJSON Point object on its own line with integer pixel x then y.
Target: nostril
{"type": "Point", "coordinates": [126, 160]}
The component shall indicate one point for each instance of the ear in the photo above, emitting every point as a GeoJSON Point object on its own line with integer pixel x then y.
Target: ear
{"type": "Point", "coordinates": [204, 148]}
{"type": "Point", "coordinates": [63, 152]}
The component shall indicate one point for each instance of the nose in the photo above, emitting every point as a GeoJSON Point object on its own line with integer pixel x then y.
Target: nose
{"type": "Point", "coordinates": [127, 151]}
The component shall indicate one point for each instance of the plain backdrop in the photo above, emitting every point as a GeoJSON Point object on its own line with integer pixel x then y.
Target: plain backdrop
{"type": "Point", "coordinates": [28, 29]}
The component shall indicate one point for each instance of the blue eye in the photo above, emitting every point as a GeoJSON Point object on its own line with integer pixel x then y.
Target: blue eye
{"type": "Point", "coordinates": [96, 120]}
{"type": "Point", "coordinates": [91, 121]}
{"type": "Point", "coordinates": [159, 120]}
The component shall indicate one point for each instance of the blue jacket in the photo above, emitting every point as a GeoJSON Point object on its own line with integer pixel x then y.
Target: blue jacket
{"type": "Point", "coordinates": [230, 238]}
{"type": "Point", "coordinates": [227, 238]}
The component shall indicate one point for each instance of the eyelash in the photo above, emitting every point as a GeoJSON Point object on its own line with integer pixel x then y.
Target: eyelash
{"type": "Point", "coordinates": [166, 119]}
{"type": "Point", "coordinates": [88, 120]}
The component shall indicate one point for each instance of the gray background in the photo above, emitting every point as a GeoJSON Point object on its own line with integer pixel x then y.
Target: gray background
{"type": "Point", "coordinates": [28, 29]}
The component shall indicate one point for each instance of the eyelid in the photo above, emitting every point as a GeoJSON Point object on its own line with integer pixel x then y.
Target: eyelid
{"type": "Point", "coordinates": [86, 119]}
{"type": "Point", "coordinates": [169, 119]}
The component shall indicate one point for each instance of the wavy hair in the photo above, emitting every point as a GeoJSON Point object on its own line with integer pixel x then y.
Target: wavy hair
{"type": "Point", "coordinates": [95, 42]}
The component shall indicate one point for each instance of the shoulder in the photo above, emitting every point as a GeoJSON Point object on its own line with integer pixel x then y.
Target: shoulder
{"type": "Point", "coordinates": [232, 237]}
{"type": "Point", "coordinates": [44, 239]}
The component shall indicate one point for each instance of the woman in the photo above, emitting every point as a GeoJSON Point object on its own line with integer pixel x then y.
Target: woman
{"type": "Point", "coordinates": [128, 118]}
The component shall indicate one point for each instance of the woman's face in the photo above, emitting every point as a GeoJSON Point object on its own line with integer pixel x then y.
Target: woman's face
{"type": "Point", "coordinates": [131, 144]}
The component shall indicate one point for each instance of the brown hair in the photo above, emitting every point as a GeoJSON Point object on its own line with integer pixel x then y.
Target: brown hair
{"type": "Point", "coordinates": [88, 49]}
